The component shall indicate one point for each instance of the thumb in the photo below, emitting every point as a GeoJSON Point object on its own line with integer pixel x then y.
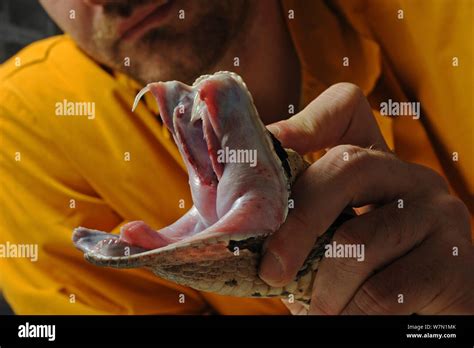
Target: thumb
{"type": "Point", "coordinates": [339, 115]}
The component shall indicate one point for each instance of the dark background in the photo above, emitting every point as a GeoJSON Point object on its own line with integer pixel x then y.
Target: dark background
{"type": "Point", "coordinates": [21, 22]}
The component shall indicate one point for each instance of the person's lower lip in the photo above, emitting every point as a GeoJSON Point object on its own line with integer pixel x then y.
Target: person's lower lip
{"type": "Point", "coordinates": [154, 19]}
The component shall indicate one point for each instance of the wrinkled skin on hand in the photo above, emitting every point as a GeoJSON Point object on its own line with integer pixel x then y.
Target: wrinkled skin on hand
{"type": "Point", "coordinates": [415, 232]}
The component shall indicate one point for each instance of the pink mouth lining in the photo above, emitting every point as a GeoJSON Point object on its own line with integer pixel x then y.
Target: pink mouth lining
{"type": "Point", "coordinates": [194, 133]}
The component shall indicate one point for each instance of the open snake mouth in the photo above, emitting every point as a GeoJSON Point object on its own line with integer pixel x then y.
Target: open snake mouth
{"type": "Point", "coordinates": [238, 173]}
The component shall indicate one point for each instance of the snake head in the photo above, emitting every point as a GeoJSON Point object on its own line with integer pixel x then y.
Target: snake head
{"type": "Point", "coordinates": [237, 174]}
{"type": "Point", "coordinates": [240, 179]}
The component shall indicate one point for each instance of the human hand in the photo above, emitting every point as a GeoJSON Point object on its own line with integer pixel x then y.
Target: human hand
{"type": "Point", "coordinates": [418, 257]}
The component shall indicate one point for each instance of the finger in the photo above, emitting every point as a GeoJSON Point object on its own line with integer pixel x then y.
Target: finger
{"type": "Point", "coordinates": [428, 280]}
{"type": "Point", "coordinates": [340, 115]}
{"type": "Point", "coordinates": [374, 239]}
{"type": "Point", "coordinates": [368, 176]}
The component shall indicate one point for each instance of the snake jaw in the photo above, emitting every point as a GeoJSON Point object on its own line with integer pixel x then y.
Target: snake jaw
{"type": "Point", "coordinates": [216, 246]}
{"type": "Point", "coordinates": [213, 116]}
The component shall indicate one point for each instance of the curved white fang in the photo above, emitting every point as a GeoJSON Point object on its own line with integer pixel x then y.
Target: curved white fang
{"type": "Point", "coordinates": [139, 96]}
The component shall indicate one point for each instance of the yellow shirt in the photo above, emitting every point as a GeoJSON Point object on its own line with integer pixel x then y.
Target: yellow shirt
{"type": "Point", "coordinates": [59, 172]}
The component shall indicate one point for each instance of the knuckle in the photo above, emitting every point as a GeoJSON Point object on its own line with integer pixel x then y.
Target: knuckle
{"type": "Point", "coordinates": [351, 91]}
{"type": "Point", "coordinates": [438, 181]}
{"type": "Point", "coordinates": [455, 210]}
{"type": "Point", "coordinates": [350, 162]}
{"type": "Point", "coordinates": [373, 298]}
{"type": "Point", "coordinates": [431, 179]}
{"type": "Point", "coordinates": [351, 98]}
{"type": "Point", "coordinates": [348, 157]}
{"type": "Point", "coordinates": [456, 206]}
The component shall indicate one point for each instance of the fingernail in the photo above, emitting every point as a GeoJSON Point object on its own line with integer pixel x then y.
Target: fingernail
{"type": "Point", "coordinates": [275, 130]}
{"type": "Point", "coordinates": [271, 268]}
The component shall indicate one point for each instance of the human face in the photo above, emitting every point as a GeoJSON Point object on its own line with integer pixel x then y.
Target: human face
{"type": "Point", "coordinates": [153, 40]}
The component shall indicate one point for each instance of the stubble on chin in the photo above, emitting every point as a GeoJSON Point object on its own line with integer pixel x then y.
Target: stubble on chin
{"type": "Point", "coordinates": [165, 53]}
